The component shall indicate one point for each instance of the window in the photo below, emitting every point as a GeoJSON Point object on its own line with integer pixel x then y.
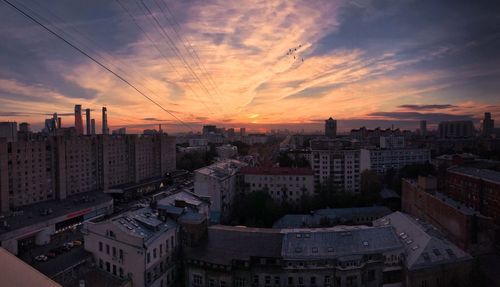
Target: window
{"type": "Point", "coordinates": [107, 249]}
{"type": "Point", "coordinates": [197, 280]}
{"type": "Point", "coordinates": [114, 251]}
{"type": "Point", "coordinates": [256, 280]}
{"type": "Point", "coordinates": [222, 283]}
{"type": "Point", "coordinates": [101, 264]}
{"type": "Point", "coordinates": [121, 254]}
{"type": "Point", "coordinates": [211, 282]}
{"type": "Point", "coordinates": [154, 253]}
{"type": "Point", "coordinates": [148, 257]}
{"type": "Point", "coordinates": [100, 246]}
{"type": "Point", "coordinates": [313, 280]}
{"type": "Point", "coordinates": [114, 269]}
{"type": "Point", "coordinates": [120, 271]}
{"type": "Point", "coordinates": [239, 282]}
{"type": "Point", "coordinates": [268, 279]}
{"type": "Point", "coordinates": [108, 267]}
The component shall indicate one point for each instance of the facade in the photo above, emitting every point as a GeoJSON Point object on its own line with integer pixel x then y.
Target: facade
{"type": "Point", "coordinates": [218, 182]}
{"type": "Point", "coordinates": [331, 128]}
{"type": "Point", "coordinates": [207, 129]}
{"type": "Point", "coordinates": [423, 128]}
{"type": "Point", "coordinates": [394, 252]}
{"type": "Point", "coordinates": [456, 129]}
{"type": "Point", "coordinates": [40, 168]}
{"type": "Point", "coordinates": [283, 184]}
{"type": "Point", "coordinates": [382, 160]}
{"type": "Point", "coordinates": [478, 189]}
{"type": "Point", "coordinates": [335, 164]}
{"type": "Point", "coordinates": [138, 245]}
{"type": "Point", "coordinates": [252, 139]}
{"type": "Point", "coordinates": [198, 142]}
{"type": "Point", "coordinates": [465, 227]}
{"type": "Point", "coordinates": [392, 142]}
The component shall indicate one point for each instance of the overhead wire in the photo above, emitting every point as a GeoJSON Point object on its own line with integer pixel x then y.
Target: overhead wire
{"type": "Point", "coordinates": [94, 60]}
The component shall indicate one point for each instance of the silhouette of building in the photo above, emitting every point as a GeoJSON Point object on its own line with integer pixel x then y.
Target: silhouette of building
{"type": "Point", "coordinates": [78, 120]}
{"type": "Point", "coordinates": [87, 119]}
{"type": "Point", "coordinates": [456, 129]}
{"type": "Point", "coordinates": [331, 128]}
{"type": "Point", "coordinates": [105, 129]}
{"type": "Point", "coordinates": [488, 125]}
{"type": "Point", "coordinates": [423, 128]}
{"type": "Point", "coordinates": [8, 130]}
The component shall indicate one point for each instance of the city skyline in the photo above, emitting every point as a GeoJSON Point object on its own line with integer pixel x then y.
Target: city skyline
{"type": "Point", "coordinates": [261, 65]}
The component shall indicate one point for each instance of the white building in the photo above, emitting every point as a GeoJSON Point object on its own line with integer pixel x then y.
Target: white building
{"type": "Point", "coordinates": [218, 183]}
{"type": "Point", "coordinates": [335, 165]}
{"type": "Point", "coordinates": [138, 245]}
{"type": "Point", "coordinates": [381, 160]}
{"type": "Point", "coordinates": [281, 183]}
{"type": "Point", "coordinates": [227, 151]}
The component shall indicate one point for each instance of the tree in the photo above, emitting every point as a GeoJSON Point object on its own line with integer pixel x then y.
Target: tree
{"type": "Point", "coordinates": [370, 182]}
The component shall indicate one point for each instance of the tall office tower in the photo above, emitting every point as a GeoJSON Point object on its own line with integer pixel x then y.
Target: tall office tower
{"type": "Point", "coordinates": [59, 122]}
{"type": "Point", "coordinates": [456, 129]}
{"type": "Point", "coordinates": [243, 132]}
{"type": "Point", "coordinates": [488, 125]}
{"type": "Point", "coordinates": [78, 120]}
{"type": "Point", "coordinates": [331, 128]}
{"type": "Point", "coordinates": [92, 127]}
{"type": "Point", "coordinates": [87, 119]}
{"type": "Point", "coordinates": [423, 128]}
{"type": "Point", "coordinates": [105, 129]}
{"type": "Point", "coordinates": [8, 130]}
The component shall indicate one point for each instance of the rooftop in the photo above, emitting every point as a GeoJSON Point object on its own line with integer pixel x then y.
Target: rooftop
{"type": "Point", "coordinates": [484, 174]}
{"type": "Point", "coordinates": [338, 241]}
{"type": "Point", "coordinates": [266, 170]}
{"type": "Point", "coordinates": [222, 169]}
{"type": "Point", "coordinates": [15, 272]}
{"type": "Point", "coordinates": [34, 214]}
{"type": "Point", "coordinates": [143, 223]}
{"type": "Point", "coordinates": [423, 244]}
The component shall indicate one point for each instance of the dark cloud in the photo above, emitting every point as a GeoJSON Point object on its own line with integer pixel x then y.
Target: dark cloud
{"type": "Point", "coordinates": [427, 107]}
{"type": "Point", "coordinates": [416, 116]}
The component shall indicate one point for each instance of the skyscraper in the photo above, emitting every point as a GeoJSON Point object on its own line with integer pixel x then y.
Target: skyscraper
{"type": "Point", "coordinates": [105, 129]}
{"type": "Point", "coordinates": [78, 120]}
{"type": "Point", "coordinates": [488, 125]}
{"type": "Point", "coordinates": [423, 128]}
{"type": "Point", "coordinates": [331, 128]}
{"type": "Point", "coordinates": [87, 119]}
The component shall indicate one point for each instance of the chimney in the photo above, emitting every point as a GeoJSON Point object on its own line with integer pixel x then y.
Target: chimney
{"type": "Point", "coordinates": [87, 119]}
{"type": "Point", "coordinates": [105, 129]}
{"type": "Point", "coordinates": [92, 126]}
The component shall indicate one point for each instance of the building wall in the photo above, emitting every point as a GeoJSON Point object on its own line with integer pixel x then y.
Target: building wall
{"type": "Point", "coordinates": [339, 167]}
{"type": "Point", "coordinates": [381, 160]}
{"type": "Point", "coordinates": [284, 187]}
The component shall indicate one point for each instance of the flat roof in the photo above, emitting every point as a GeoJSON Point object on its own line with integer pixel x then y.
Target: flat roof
{"type": "Point", "coordinates": [484, 174]}
{"type": "Point", "coordinates": [266, 170]}
{"type": "Point", "coordinates": [72, 206]}
{"type": "Point", "coordinates": [15, 272]}
{"type": "Point", "coordinates": [222, 169]}
{"type": "Point", "coordinates": [143, 223]}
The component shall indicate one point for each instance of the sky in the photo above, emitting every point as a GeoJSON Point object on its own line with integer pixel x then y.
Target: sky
{"type": "Point", "coordinates": [255, 64]}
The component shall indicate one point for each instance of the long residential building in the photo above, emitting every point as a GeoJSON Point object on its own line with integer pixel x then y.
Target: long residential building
{"type": "Point", "coordinates": [335, 164]}
{"type": "Point", "coordinates": [283, 184]}
{"type": "Point", "coordinates": [397, 251]}
{"type": "Point", "coordinates": [382, 160]}
{"type": "Point", "coordinates": [39, 168]}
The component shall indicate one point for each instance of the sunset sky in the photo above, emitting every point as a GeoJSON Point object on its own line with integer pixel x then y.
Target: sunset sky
{"type": "Point", "coordinates": [372, 63]}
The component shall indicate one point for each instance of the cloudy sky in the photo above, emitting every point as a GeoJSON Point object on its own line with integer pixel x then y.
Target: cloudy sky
{"type": "Point", "coordinates": [259, 64]}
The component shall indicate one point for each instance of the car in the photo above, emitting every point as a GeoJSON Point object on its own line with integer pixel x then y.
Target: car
{"type": "Point", "coordinates": [51, 254]}
{"type": "Point", "coordinates": [77, 242]}
{"type": "Point", "coordinates": [41, 258]}
{"type": "Point", "coordinates": [68, 244]}
{"type": "Point", "coordinates": [66, 248]}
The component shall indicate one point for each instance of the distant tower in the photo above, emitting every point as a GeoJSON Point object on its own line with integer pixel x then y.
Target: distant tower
{"type": "Point", "coordinates": [92, 127]}
{"type": "Point", "coordinates": [331, 128]}
{"type": "Point", "coordinates": [488, 125]}
{"type": "Point", "coordinates": [24, 128]}
{"type": "Point", "coordinates": [87, 119]}
{"type": "Point", "coordinates": [243, 132]}
{"type": "Point", "coordinates": [423, 128]}
{"type": "Point", "coordinates": [59, 122]}
{"type": "Point", "coordinates": [55, 121]}
{"type": "Point", "coordinates": [105, 129]}
{"type": "Point", "coordinates": [78, 120]}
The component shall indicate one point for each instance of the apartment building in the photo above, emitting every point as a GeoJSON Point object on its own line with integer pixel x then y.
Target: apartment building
{"type": "Point", "coordinates": [382, 160]}
{"type": "Point", "coordinates": [336, 163]}
{"type": "Point", "coordinates": [138, 245]}
{"type": "Point", "coordinates": [218, 182]}
{"type": "Point", "coordinates": [38, 168]}
{"type": "Point", "coordinates": [283, 184]}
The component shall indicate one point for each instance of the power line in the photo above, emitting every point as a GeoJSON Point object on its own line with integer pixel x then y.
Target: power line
{"type": "Point", "coordinates": [171, 43]}
{"type": "Point", "coordinates": [192, 50]}
{"type": "Point", "coordinates": [94, 60]}
{"type": "Point", "coordinates": [160, 51]}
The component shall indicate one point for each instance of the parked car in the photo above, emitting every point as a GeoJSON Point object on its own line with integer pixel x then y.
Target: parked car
{"type": "Point", "coordinates": [77, 242]}
{"type": "Point", "coordinates": [68, 244]}
{"type": "Point", "coordinates": [41, 258]}
{"type": "Point", "coordinates": [51, 254]}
